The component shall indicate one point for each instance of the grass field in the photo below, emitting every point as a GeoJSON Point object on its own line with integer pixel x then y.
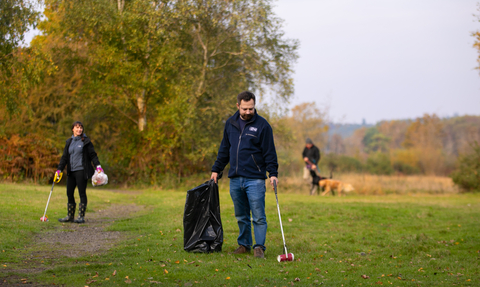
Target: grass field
{"type": "Point", "coordinates": [409, 239]}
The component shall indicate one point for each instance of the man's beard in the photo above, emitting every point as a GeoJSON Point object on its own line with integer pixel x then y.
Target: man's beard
{"type": "Point", "coordinates": [247, 117]}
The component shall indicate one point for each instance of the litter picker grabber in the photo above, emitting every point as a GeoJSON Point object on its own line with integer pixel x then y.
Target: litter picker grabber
{"type": "Point", "coordinates": [287, 256]}
{"type": "Point", "coordinates": [56, 179]}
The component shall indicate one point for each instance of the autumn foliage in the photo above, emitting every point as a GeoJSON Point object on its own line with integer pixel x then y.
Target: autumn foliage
{"type": "Point", "coordinates": [27, 157]}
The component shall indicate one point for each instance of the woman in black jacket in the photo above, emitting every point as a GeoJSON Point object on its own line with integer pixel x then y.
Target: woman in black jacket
{"type": "Point", "coordinates": [78, 156]}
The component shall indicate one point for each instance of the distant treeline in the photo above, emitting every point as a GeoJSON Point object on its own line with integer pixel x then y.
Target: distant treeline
{"type": "Point", "coordinates": [427, 145]}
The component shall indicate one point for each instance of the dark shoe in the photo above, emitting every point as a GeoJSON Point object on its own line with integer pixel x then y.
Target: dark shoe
{"type": "Point", "coordinates": [241, 249]}
{"type": "Point", "coordinates": [258, 253]}
{"type": "Point", "coordinates": [81, 213]}
{"type": "Point", "coordinates": [70, 213]}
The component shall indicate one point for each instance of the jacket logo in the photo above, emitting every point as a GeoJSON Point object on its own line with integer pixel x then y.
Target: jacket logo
{"type": "Point", "coordinates": [253, 129]}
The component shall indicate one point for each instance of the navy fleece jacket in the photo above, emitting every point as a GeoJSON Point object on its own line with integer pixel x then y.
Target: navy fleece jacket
{"type": "Point", "coordinates": [251, 153]}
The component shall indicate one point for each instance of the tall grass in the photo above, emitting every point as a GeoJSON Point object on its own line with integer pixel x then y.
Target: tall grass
{"type": "Point", "coordinates": [367, 184]}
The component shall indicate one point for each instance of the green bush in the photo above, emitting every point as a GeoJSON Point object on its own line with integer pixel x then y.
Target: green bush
{"type": "Point", "coordinates": [341, 163]}
{"type": "Point", "coordinates": [379, 163]}
{"type": "Point", "coordinates": [405, 168]}
{"type": "Point", "coordinates": [467, 173]}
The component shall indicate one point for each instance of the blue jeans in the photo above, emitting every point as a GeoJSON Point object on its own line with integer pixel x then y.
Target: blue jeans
{"type": "Point", "coordinates": [248, 195]}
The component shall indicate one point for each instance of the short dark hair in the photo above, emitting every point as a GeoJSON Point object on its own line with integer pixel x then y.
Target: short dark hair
{"type": "Point", "coordinates": [246, 96]}
{"type": "Point", "coordinates": [77, 123]}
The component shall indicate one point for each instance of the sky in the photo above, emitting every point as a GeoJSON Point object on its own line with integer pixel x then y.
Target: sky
{"type": "Point", "coordinates": [379, 60]}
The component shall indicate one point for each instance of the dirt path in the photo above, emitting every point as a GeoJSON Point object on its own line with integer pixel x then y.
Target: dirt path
{"type": "Point", "coordinates": [71, 240]}
{"type": "Point", "coordinates": [75, 240]}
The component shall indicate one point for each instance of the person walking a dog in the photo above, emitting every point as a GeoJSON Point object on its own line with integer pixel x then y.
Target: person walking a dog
{"type": "Point", "coordinates": [78, 156]}
{"type": "Point", "coordinates": [248, 146]}
{"type": "Point", "coordinates": [311, 157]}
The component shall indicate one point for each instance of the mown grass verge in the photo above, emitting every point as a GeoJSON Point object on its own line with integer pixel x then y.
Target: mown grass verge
{"type": "Point", "coordinates": [391, 240]}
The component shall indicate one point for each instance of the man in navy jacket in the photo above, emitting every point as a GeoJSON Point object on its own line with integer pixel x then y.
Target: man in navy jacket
{"type": "Point", "coordinates": [248, 146]}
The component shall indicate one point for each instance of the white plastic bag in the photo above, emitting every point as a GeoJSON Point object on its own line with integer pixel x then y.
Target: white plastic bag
{"type": "Point", "coordinates": [99, 178]}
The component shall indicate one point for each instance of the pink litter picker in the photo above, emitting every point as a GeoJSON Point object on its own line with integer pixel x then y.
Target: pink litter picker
{"type": "Point", "coordinates": [287, 256]}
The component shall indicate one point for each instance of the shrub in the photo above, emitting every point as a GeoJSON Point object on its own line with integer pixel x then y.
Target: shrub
{"type": "Point", "coordinates": [405, 168]}
{"type": "Point", "coordinates": [379, 163]}
{"type": "Point", "coordinates": [31, 157]}
{"type": "Point", "coordinates": [467, 173]}
{"type": "Point", "coordinates": [341, 163]}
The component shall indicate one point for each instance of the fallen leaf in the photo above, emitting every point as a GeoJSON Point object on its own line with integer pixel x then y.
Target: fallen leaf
{"type": "Point", "coordinates": [365, 276]}
{"type": "Point", "coordinates": [128, 281]}
{"type": "Point", "coordinates": [290, 220]}
{"type": "Point", "coordinates": [178, 261]}
{"type": "Point", "coordinates": [114, 273]}
{"type": "Point", "coordinates": [96, 275]}
{"type": "Point", "coordinates": [379, 283]}
{"type": "Point", "coordinates": [297, 279]}
{"type": "Point", "coordinates": [166, 271]}
{"type": "Point", "coordinates": [91, 281]}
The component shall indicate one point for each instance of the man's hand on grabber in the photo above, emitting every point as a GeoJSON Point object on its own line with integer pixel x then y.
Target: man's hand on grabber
{"type": "Point", "coordinates": [272, 179]}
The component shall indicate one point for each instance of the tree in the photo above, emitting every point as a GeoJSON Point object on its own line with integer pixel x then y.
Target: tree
{"type": "Point", "coordinates": [374, 141]}
{"type": "Point", "coordinates": [155, 79]}
{"type": "Point", "coordinates": [306, 120]}
{"type": "Point", "coordinates": [336, 144]}
{"type": "Point", "coordinates": [467, 173]}
{"type": "Point", "coordinates": [425, 136]}
{"type": "Point", "coordinates": [476, 45]}
{"type": "Point", "coordinates": [16, 18]}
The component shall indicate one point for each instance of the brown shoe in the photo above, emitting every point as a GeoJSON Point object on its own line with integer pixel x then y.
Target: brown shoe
{"type": "Point", "coordinates": [258, 252]}
{"type": "Point", "coordinates": [241, 249]}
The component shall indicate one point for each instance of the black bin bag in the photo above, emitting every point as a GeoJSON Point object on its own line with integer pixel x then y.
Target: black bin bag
{"type": "Point", "coordinates": [202, 225]}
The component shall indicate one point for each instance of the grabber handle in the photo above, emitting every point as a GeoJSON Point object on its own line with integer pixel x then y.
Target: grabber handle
{"type": "Point", "coordinates": [57, 178]}
{"type": "Point", "coordinates": [280, 217]}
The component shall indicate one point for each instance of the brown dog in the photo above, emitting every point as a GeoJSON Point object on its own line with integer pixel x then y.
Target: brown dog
{"type": "Point", "coordinates": [330, 185]}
